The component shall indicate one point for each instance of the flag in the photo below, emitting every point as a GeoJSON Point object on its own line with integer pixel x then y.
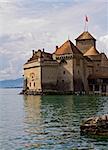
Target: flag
{"type": "Point", "coordinates": [86, 19]}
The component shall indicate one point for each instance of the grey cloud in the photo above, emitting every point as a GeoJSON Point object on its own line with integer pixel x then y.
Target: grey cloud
{"type": "Point", "coordinates": [11, 38]}
{"type": "Point", "coordinates": [33, 24]}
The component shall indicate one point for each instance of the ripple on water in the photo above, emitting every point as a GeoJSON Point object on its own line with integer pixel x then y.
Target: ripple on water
{"type": "Point", "coordinates": [48, 122]}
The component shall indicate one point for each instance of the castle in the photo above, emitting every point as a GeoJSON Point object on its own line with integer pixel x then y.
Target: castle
{"type": "Point", "coordinates": [70, 69]}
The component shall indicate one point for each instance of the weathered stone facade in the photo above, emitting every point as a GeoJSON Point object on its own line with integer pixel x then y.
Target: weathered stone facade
{"type": "Point", "coordinates": [74, 69]}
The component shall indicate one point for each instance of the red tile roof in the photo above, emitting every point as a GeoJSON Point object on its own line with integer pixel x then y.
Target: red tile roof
{"type": "Point", "coordinates": [91, 51]}
{"type": "Point", "coordinates": [40, 54]}
{"type": "Point", "coordinates": [85, 36]}
{"type": "Point", "coordinates": [67, 48]}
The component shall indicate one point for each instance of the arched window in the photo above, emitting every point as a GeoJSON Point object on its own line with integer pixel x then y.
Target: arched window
{"type": "Point", "coordinates": [30, 84]}
{"type": "Point", "coordinates": [34, 84]}
{"type": "Point", "coordinates": [32, 75]}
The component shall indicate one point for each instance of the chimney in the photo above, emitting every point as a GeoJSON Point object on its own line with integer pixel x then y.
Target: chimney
{"type": "Point", "coordinates": [56, 47]}
{"type": "Point", "coordinates": [43, 50]}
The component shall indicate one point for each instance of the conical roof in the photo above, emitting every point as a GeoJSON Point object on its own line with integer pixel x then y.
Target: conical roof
{"type": "Point", "coordinates": [67, 48]}
{"type": "Point", "coordinates": [91, 52]}
{"type": "Point", "coordinates": [85, 36]}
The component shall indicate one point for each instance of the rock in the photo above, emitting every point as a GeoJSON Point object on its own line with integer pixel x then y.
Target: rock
{"type": "Point", "coordinates": [95, 125]}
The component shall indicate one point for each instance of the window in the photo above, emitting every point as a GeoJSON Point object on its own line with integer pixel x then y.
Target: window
{"type": "Point", "coordinates": [32, 75]}
{"type": "Point", "coordinates": [91, 87]}
{"type": "Point", "coordinates": [103, 88]}
{"type": "Point", "coordinates": [63, 72]}
{"type": "Point", "coordinates": [30, 84]}
{"type": "Point", "coordinates": [34, 84]}
{"type": "Point", "coordinates": [96, 87]}
{"type": "Point", "coordinates": [62, 81]}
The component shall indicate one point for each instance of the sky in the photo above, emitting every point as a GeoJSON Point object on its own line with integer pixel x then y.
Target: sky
{"type": "Point", "coordinates": [27, 25]}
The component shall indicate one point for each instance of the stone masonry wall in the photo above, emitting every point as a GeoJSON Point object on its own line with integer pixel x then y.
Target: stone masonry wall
{"type": "Point", "coordinates": [32, 72]}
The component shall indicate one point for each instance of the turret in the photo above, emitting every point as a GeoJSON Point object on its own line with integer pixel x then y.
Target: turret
{"type": "Point", "coordinates": [85, 41]}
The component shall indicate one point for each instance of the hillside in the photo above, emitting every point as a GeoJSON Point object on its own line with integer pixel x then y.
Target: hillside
{"type": "Point", "coordinates": [11, 83]}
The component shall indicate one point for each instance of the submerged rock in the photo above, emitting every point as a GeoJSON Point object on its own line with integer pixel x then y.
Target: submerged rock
{"type": "Point", "coordinates": [95, 125]}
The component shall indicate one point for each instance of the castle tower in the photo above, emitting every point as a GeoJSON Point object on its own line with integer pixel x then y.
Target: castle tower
{"type": "Point", "coordinates": [85, 41]}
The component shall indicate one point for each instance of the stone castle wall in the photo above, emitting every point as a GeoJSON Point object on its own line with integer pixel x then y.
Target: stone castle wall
{"type": "Point", "coordinates": [65, 74]}
{"type": "Point", "coordinates": [68, 70]}
{"type": "Point", "coordinates": [79, 73]}
{"type": "Point", "coordinates": [49, 75]}
{"type": "Point", "coordinates": [32, 73]}
{"type": "Point", "coordinates": [84, 46]}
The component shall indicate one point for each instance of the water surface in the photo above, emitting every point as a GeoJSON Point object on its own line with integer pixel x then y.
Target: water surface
{"type": "Point", "coordinates": [47, 122]}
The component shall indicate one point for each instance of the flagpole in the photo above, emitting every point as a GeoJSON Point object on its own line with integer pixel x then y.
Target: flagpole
{"type": "Point", "coordinates": [68, 37]}
{"type": "Point", "coordinates": [86, 25]}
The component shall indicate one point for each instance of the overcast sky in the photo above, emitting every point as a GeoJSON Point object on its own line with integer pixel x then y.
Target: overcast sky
{"type": "Point", "coordinates": [36, 24]}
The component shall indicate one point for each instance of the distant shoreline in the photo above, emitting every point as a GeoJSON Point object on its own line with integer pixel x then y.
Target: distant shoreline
{"type": "Point", "coordinates": [9, 87]}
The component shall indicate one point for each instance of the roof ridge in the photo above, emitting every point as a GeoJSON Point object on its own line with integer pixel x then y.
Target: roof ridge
{"type": "Point", "coordinates": [64, 43]}
{"type": "Point", "coordinates": [75, 47]}
{"type": "Point", "coordinates": [92, 47]}
{"type": "Point", "coordinates": [67, 48]}
{"type": "Point", "coordinates": [85, 35]}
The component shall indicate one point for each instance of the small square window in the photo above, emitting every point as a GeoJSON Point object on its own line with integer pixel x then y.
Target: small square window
{"type": "Point", "coordinates": [64, 72]}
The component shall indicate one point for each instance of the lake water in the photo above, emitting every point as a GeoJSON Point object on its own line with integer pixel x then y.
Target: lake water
{"type": "Point", "coordinates": [48, 122]}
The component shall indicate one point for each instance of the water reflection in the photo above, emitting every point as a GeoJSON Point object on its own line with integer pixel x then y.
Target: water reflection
{"type": "Point", "coordinates": [53, 121]}
{"type": "Point", "coordinates": [87, 106]}
{"type": "Point", "coordinates": [33, 117]}
{"type": "Point", "coordinates": [47, 122]}
{"type": "Point", "coordinates": [32, 106]}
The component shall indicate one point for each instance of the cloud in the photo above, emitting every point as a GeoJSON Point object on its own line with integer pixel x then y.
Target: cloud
{"type": "Point", "coordinates": [37, 24]}
{"type": "Point", "coordinates": [103, 44]}
{"type": "Point", "coordinates": [104, 40]}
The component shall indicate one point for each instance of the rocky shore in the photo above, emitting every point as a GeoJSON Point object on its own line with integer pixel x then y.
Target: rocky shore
{"type": "Point", "coordinates": [95, 125]}
{"type": "Point", "coordinates": [48, 92]}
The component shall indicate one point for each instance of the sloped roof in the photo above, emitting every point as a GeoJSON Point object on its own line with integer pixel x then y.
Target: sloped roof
{"type": "Point", "coordinates": [91, 51]}
{"type": "Point", "coordinates": [104, 56]}
{"type": "Point", "coordinates": [40, 54]}
{"type": "Point", "coordinates": [67, 48]}
{"type": "Point", "coordinates": [85, 36]}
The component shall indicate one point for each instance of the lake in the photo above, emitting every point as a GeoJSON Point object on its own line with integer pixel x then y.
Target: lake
{"type": "Point", "coordinates": [48, 122]}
